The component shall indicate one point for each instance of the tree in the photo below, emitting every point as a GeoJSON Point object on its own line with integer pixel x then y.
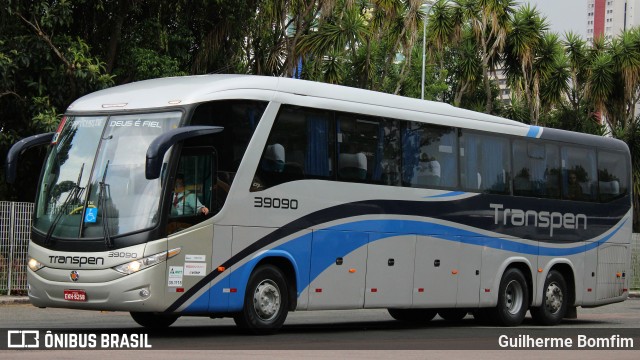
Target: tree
{"type": "Point", "coordinates": [525, 40]}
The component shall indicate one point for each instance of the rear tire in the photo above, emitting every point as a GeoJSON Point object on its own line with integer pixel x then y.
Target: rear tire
{"type": "Point", "coordinates": [266, 302]}
{"type": "Point", "coordinates": [554, 302]}
{"type": "Point", "coordinates": [454, 315]}
{"type": "Point", "coordinates": [153, 320]}
{"type": "Point", "coordinates": [513, 299]}
{"type": "Point", "coordinates": [415, 316]}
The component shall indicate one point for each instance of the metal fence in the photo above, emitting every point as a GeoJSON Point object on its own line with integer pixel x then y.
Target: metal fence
{"type": "Point", "coordinates": [15, 227]}
{"type": "Point", "coordinates": [635, 262]}
{"type": "Point", "coordinates": [15, 224]}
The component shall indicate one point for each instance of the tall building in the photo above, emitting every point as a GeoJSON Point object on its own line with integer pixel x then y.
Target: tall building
{"type": "Point", "coordinates": [608, 18]}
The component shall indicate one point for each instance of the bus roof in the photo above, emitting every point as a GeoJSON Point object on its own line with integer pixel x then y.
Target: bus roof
{"type": "Point", "coordinates": [185, 90]}
{"type": "Point", "coordinates": [172, 91]}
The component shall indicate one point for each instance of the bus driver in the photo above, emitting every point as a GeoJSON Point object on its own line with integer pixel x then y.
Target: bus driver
{"type": "Point", "coordinates": [185, 202]}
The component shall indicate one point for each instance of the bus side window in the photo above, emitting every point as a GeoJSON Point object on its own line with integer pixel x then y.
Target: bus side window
{"type": "Point", "coordinates": [369, 149]}
{"type": "Point", "coordinates": [579, 180]}
{"type": "Point", "coordinates": [612, 175]}
{"type": "Point", "coordinates": [485, 163]}
{"type": "Point", "coordinates": [429, 156]}
{"type": "Point", "coordinates": [300, 146]}
{"type": "Point", "coordinates": [536, 169]}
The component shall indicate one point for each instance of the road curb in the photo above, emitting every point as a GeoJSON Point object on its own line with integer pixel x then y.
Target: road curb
{"type": "Point", "coordinates": [11, 300]}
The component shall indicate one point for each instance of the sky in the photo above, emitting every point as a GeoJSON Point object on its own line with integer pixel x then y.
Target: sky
{"type": "Point", "coordinates": [563, 15]}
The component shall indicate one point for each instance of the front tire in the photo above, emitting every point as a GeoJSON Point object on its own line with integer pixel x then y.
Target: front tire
{"type": "Point", "coordinates": [153, 320]}
{"type": "Point", "coordinates": [266, 302]}
{"type": "Point", "coordinates": [513, 299]}
{"type": "Point", "coordinates": [555, 301]}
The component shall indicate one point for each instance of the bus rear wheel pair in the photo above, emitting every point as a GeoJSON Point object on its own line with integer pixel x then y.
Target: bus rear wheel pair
{"type": "Point", "coordinates": [513, 304]}
{"type": "Point", "coordinates": [513, 301]}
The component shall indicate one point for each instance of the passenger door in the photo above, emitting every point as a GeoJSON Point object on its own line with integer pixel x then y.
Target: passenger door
{"type": "Point", "coordinates": [194, 261]}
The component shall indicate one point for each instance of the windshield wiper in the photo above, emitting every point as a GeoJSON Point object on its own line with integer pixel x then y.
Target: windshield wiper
{"type": "Point", "coordinates": [103, 196]}
{"type": "Point", "coordinates": [75, 193]}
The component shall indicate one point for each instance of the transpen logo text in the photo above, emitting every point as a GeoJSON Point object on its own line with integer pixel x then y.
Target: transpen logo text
{"type": "Point", "coordinates": [541, 219]}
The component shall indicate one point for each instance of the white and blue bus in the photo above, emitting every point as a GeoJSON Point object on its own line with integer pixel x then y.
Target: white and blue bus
{"type": "Point", "coordinates": [297, 195]}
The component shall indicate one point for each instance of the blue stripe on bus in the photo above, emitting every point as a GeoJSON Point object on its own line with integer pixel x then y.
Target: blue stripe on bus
{"type": "Point", "coordinates": [534, 131]}
{"type": "Point", "coordinates": [449, 194]}
{"type": "Point", "coordinates": [341, 240]}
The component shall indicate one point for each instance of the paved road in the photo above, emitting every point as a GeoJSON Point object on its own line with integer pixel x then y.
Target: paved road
{"type": "Point", "coordinates": [332, 330]}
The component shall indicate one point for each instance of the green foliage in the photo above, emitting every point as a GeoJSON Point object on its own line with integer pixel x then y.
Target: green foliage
{"type": "Point", "coordinates": [54, 51]}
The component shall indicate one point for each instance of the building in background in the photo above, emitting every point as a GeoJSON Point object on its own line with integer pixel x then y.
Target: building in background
{"type": "Point", "coordinates": [609, 18]}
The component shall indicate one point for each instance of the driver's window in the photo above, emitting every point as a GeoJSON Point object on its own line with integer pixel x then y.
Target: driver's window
{"type": "Point", "coordinates": [191, 197]}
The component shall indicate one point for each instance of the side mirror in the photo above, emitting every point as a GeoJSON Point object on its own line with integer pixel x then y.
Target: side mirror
{"type": "Point", "coordinates": [19, 148]}
{"type": "Point", "coordinates": [160, 145]}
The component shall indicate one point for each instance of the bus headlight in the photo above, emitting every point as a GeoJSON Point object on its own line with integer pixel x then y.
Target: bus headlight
{"type": "Point", "coordinates": [34, 265]}
{"type": "Point", "coordinates": [137, 265]}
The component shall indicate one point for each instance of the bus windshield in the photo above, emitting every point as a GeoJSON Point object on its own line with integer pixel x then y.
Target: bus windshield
{"type": "Point", "coordinates": [94, 181]}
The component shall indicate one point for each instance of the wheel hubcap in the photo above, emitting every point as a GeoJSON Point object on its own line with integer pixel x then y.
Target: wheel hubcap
{"type": "Point", "coordinates": [513, 295]}
{"type": "Point", "coordinates": [553, 298]}
{"type": "Point", "coordinates": [266, 300]}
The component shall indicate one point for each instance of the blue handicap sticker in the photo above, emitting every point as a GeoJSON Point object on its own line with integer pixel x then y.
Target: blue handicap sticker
{"type": "Point", "coordinates": [91, 215]}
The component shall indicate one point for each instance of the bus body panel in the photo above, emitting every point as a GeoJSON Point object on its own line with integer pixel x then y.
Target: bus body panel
{"type": "Point", "coordinates": [46, 286]}
{"type": "Point", "coordinates": [192, 264]}
{"type": "Point", "coordinates": [434, 279]}
{"type": "Point", "coordinates": [390, 271]}
{"type": "Point", "coordinates": [352, 245]}
{"type": "Point", "coordinates": [336, 284]}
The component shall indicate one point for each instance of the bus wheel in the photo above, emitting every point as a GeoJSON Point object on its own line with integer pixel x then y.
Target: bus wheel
{"type": "Point", "coordinates": [413, 315]}
{"type": "Point", "coordinates": [452, 314]}
{"type": "Point", "coordinates": [266, 302]}
{"type": "Point", "coordinates": [554, 304]}
{"type": "Point", "coordinates": [153, 320]}
{"type": "Point", "coordinates": [513, 299]}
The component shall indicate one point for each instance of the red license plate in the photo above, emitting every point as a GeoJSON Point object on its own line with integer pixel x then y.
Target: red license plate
{"type": "Point", "coordinates": [75, 295]}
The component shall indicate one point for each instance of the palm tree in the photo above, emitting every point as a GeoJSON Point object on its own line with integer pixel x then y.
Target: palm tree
{"type": "Point", "coordinates": [550, 74]}
{"type": "Point", "coordinates": [576, 50]}
{"type": "Point", "coordinates": [494, 19]}
{"type": "Point", "coordinates": [600, 83]}
{"type": "Point", "coordinates": [338, 32]}
{"type": "Point", "coordinates": [524, 40]}
{"type": "Point", "coordinates": [625, 52]}
{"type": "Point", "coordinates": [468, 69]}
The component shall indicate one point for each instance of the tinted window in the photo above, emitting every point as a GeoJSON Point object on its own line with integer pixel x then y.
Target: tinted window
{"type": "Point", "coordinates": [368, 149]}
{"type": "Point", "coordinates": [300, 145]}
{"type": "Point", "coordinates": [484, 163]}
{"type": "Point", "coordinates": [429, 156]}
{"type": "Point", "coordinates": [578, 173]}
{"type": "Point", "coordinates": [536, 169]}
{"type": "Point", "coordinates": [612, 175]}
{"type": "Point", "coordinates": [239, 119]}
